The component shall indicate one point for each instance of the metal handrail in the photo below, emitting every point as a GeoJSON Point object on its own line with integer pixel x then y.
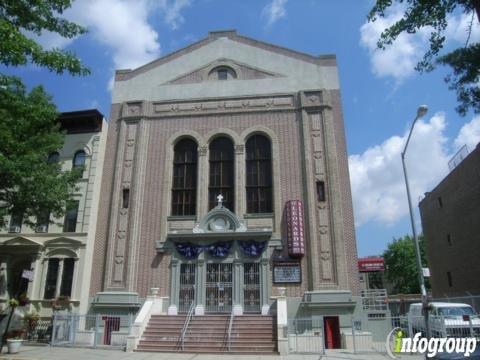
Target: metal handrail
{"type": "Point", "coordinates": [185, 325]}
{"type": "Point", "coordinates": [230, 324]}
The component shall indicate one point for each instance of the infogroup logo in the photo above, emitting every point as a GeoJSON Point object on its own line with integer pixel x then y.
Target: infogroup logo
{"type": "Point", "coordinates": [397, 343]}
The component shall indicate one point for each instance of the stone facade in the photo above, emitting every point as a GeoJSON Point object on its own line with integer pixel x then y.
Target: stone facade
{"type": "Point", "coordinates": [24, 248]}
{"type": "Point", "coordinates": [450, 214]}
{"type": "Point", "coordinates": [293, 99]}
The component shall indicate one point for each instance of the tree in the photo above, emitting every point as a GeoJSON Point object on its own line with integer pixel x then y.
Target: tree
{"type": "Point", "coordinates": [18, 17]}
{"type": "Point", "coordinates": [464, 61]}
{"type": "Point", "coordinates": [29, 130]}
{"type": "Point", "coordinates": [401, 266]}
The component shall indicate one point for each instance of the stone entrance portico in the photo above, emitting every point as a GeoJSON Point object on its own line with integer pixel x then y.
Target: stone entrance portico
{"type": "Point", "coordinates": [219, 266]}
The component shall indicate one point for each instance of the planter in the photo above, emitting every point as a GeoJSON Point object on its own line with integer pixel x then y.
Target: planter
{"type": "Point", "coordinates": [13, 345]}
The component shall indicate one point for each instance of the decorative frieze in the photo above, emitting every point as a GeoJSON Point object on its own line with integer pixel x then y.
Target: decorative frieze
{"type": "Point", "coordinates": [220, 106]}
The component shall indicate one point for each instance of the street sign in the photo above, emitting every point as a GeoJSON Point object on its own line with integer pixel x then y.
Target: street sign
{"type": "Point", "coordinates": [27, 274]}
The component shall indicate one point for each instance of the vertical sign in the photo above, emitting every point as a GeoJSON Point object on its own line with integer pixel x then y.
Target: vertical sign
{"type": "Point", "coordinates": [295, 228]}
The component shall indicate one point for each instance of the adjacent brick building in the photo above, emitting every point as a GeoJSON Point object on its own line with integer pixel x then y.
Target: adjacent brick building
{"type": "Point", "coordinates": [450, 219]}
{"type": "Point", "coordinates": [57, 253]}
{"type": "Point", "coordinates": [207, 148]}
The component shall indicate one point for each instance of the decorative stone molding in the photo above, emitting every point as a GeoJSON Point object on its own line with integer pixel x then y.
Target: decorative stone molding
{"type": "Point", "coordinates": [202, 150]}
{"type": "Point", "coordinates": [315, 99]}
{"type": "Point", "coordinates": [280, 102]}
{"type": "Point", "coordinates": [133, 109]}
{"type": "Point", "coordinates": [239, 149]}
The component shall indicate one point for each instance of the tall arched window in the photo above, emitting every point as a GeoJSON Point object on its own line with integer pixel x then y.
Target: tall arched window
{"type": "Point", "coordinates": [221, 173]}
{"type": "Point", "coordinates": [78, 159]}
{"type": "Point", "coordinates": [259, 175]}
{"type": "Point", "coordinates": [184, 187]}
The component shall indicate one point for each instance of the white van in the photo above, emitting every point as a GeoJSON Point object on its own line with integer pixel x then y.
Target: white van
{"type": "Point", "coordinates": [445, 319]}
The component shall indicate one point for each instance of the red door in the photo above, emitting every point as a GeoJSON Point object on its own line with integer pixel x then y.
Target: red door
{"type": "Point", "coordinates": [331, 327]}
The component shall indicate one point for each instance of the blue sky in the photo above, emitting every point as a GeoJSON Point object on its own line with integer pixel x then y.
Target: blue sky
{"type": "Point", "coordinates": [380, 90]}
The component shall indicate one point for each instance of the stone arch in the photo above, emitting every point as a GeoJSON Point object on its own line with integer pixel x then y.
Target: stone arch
{"type": "Point", "coordinates": [61, 253]}
{"type": "Point", "coordinates": [216, 133]}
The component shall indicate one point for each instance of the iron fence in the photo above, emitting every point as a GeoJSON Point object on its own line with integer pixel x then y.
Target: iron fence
{"type": "Point", "coordinates": [90, 330]}
{"type": "Point", "coordinates": [39, 331]}
{"type": "Point", "coordinates": [305, 335]}
{"type": "Point", "coordinates": [370, 334]}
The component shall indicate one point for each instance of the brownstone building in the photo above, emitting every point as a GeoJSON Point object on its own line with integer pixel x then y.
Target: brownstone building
{"type": "Point", "coordinates": [450, 219]}
{"type": "Point", "coordinates": [226, 178]}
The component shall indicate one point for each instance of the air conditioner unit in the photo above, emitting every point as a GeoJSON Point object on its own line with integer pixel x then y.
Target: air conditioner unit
{"type": "Point", "coordinates": [41, 229]}
{"type": "Point", "coordinates": [14, 229]}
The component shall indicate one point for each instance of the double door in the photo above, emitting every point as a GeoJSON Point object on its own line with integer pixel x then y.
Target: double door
{"type": "Point", "coordinates": [219, 287]}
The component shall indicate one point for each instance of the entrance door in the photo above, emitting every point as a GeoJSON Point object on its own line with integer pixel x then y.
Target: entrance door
{"type": "Point", "coordinates": [219, 288]}
{"type": "Point", "coordinates": [331, 327]}
{"type": "Point", "coordinates": [251, 287]}
{"type": "Point", "coordinates": [187, 287]}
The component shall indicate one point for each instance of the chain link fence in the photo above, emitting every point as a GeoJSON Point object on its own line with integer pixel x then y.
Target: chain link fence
{"type": "Point", "coordinates": [90, 330]}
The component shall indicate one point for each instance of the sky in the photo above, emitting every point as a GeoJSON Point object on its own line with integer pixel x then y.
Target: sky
{"type": "Point", "coordinates": [380, 89]}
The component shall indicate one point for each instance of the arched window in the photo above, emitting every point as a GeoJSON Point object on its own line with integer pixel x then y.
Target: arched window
{"type": "Point", "coordinates": [184, 187]}
{"type": "Point", "coordinates": [222, 73]}
{"type": "Point", "coordinates": [53, 157]}
{"type": "Point", "coordinates": [259, 175]}
{"type": "Point", "coordinates": [79, 159]}
{"type": "Point", "coordinates": [221, 173]}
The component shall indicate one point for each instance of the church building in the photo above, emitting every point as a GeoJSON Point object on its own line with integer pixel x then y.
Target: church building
{"type": "Point", "coordinates": [226, 183]}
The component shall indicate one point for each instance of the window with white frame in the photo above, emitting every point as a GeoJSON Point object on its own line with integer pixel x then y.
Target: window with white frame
{"type": "Point", "coordinates": [59, 277]}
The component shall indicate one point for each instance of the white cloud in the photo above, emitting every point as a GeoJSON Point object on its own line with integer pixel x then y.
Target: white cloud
{"type": "Point", "coordinates": [458, 28]}
{"type": "Point", "coordinates": [274, 11]}
{"type": "Point", "coordinates": [172, 9]}
{"type": "Point", "coordinates": [398, 60]}
{"type": "Point", "coordinates": [469, 134]}
{"type": "Point", "coordinates": [378, 185]}
{"type": "Point", "coordinates": [50, 40]}
{"type": "Point", "coordinates": [123, 26]}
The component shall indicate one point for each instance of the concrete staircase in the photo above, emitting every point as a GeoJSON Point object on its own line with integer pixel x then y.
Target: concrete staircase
{"type": "Point", "coordinates": [251, 334]}
{"type": "Point", "coordinates": [254, 334]}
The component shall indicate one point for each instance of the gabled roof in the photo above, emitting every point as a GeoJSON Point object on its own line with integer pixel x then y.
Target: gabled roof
{"type": "Point", "coordinates": [325, 60]}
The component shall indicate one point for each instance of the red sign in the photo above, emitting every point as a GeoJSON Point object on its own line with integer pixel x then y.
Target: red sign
{"type": "Point", "coordinates": [295, 228]}
{"type": "Point", "coordinates": [371, 264]}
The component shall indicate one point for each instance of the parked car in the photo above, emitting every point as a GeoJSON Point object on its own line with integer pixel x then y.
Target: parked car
{"type": "Point", "coordinates": [445, 320]}
{"type": "Point", "coordinates": [455, 356]}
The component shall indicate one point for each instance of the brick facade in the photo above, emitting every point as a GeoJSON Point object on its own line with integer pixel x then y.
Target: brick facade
{"type": "Point", "coordinates": [306, 131]}
{"type": "Point", "coordinates": [450, 214]}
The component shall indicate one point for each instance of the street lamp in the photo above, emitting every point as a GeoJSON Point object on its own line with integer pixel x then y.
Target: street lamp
{"type": "Point", "coordinates": [421, 111]}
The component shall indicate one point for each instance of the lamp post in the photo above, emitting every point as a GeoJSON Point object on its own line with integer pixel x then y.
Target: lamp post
{"type": "Point", "coordinates": [421, 111]}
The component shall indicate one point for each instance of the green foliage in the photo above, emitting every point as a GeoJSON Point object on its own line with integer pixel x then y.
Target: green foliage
{"type": "Point", "coordinates": [29, 132]}
{"type": "Point", "coordinates": [465, 62]}
{"type": "Point", "coordinates": [17, 17]}
{"type": "Point", "coordinates": [401, 267]}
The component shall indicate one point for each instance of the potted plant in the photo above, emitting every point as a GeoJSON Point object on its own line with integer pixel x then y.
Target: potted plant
{"type": "Point", "coordinates": [61, 302]}
{"type": "Point", "coordinates": [23, 299]}
{"type": "Point", "coordinates": [14, 341]}
{"type": "Point", "coordinates": [31, 318]}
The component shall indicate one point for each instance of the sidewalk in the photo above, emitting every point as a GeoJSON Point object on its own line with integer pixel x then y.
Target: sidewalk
{"type": "Point", "coordinates": [62, 353]}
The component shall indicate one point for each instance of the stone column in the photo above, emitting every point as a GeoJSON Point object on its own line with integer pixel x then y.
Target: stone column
{"type": "Point", "coordinates": [174, 286]}
{"type": "Point", "coordinates": [240, 197]}
{"type": "Point", "coordinates": [200, 288]}
{"type": "Point", "coordinates": [202, 182]}
{"type": "Point", "coordinates": [237, 287]}
{"type": "Point", "coordinates": [282, 322]}
{"type": "Point", "coordinates": [3, 277]}
{"type": "Point", "coordinates": [264, 285]}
